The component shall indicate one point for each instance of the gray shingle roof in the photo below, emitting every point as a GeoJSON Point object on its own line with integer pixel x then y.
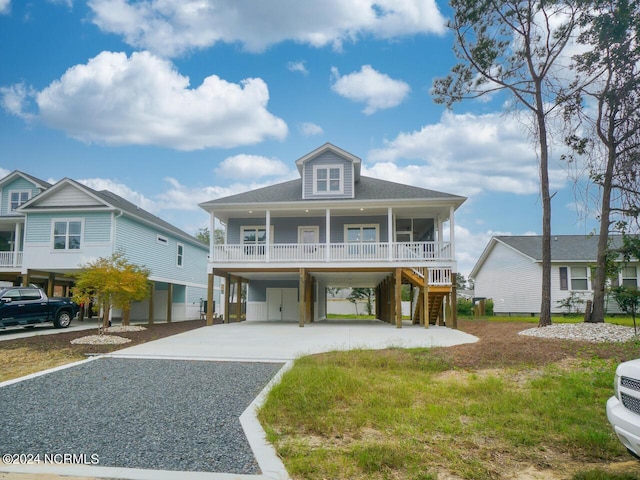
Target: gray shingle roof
{"type": "Point", "coordinates": [125, 205]}
{"type": "Point", "coordinates": [570, 248]}
{"type": "Point", "coordinates": [367, 188]}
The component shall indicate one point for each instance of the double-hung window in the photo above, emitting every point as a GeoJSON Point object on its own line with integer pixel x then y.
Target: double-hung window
{"type": "Point", "coordinates": [67, 234]}
{"type": "Point", "coordinates": [579, 279]}
{"type": "Point", "coordinates": [180, 255]}
{"type": "Point", "coordinates": [630, 277]}
{"type": "Point", "coordinates": [574, 278]}
{"type": "Point", "coordinates": [328, 179]}
{"type": "Point", "coordinates": [17, 198]}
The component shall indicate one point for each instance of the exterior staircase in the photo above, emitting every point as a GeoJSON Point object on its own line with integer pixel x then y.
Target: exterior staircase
{"type": "Point", "coordinates": [436, 297]}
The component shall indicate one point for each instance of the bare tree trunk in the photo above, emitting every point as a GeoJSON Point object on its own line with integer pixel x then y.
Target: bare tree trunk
{"type": "Point", "coordinates": [600, 279]}
{"type": "Point", "coordinates": [545, 306]}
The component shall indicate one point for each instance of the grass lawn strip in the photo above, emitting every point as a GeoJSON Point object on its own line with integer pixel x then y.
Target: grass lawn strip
{"type": "Point", "coordinates": [416, 414]}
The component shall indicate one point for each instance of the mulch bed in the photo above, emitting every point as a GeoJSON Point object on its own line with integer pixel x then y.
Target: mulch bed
{"type": "Point", "coordinates": [63, 340]}
{"type": "Point", "coordinates": [499, 345]}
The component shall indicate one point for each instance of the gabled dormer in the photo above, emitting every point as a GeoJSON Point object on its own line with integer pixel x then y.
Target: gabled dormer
{"type": "Point", "coordinates": [18, 188]}
{"type": "Point", "coordinates": [328, 172]}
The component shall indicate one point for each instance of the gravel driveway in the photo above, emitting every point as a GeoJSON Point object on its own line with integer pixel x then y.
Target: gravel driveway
{"type": "Point", "coordinates": [152, 414]}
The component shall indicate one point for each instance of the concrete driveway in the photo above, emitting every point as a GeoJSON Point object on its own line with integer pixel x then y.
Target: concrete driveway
{"type": "Point", "coordinates": [283, 341]}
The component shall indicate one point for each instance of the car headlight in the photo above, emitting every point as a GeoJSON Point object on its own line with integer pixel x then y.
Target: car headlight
{"type": "Point", "coordinates": [616, 386]}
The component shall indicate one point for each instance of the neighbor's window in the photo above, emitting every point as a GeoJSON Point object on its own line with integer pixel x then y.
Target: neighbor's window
{"type": "Point", "coordinates": [18, 198]}
{"type": "Point", "coordinates": [579, 280]}
{"type": "Point", "coordinates": [327, 179]}
{"type": "Point", "coordinates": [180, 255]}
{"type": "Point", "coordinates": [629, 277]}
{"type": "Point", "coordinates": [67, 235]}
{"type": "Point", "coordinates": [564, 282]}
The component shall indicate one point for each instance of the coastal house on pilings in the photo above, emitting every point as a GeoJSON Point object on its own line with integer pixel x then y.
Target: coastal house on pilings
{"type": "Point", "coordinates": [333, 227]}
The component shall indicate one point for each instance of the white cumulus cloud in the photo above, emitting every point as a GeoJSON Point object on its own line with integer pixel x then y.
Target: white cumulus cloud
{"type": "Point", "coordinates": [251, 166]}
{"type": "Point", "coordinates": [5, 6]}
{"type": "Point", "coordinates": [298, 67]}
{"type": "Point", "coordinates": [173, 27]}
{"type": "Point", "coordinates": [465, 154]}
{"type": "Point", "coordinates": [309, 129]}
{"type": "Point", "coordinates": [142, 100]}
{"type": "Point", "coordinates": [377, 90]}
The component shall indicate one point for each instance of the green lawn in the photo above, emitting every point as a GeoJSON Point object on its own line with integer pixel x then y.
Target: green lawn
{"type": "Point", "coordinates": [412, 414]}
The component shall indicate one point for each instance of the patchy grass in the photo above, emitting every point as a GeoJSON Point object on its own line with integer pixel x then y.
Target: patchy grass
{"type": "Point", "coordinates": [28, 355]}
{"type": "Point", "coordinates": [430, 413]}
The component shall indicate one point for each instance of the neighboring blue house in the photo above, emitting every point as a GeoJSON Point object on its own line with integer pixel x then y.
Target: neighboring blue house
{"type": "Point", "coordinates": [51, 230]}
{"type": "Point", "coordinates": [15, 189]}
{"type": "Point", "coordinates": [287, 243]}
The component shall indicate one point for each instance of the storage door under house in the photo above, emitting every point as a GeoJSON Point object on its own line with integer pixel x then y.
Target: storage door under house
{"type": "Point", "coordinates": [282, 304]}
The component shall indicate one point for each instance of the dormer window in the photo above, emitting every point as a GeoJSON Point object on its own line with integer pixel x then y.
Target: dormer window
{"type": "Point", "coordinates": [328, 179]}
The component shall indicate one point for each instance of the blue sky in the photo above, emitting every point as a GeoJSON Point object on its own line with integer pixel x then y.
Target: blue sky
{"type": "Point", "coordinates": [169, 103]}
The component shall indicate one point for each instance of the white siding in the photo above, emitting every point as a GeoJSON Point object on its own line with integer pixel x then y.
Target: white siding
{"type": "Point", "coordinates": [511, 280]}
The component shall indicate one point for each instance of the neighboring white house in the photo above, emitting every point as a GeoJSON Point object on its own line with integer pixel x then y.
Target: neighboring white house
{"type": "Point", "coordinates": [48, 231]}
{"type": "Point", "coordinates": [333, 227]}
{"type": "Point", "coordinates": [509, 271]}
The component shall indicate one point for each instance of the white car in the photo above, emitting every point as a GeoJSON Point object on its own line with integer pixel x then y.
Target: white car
{"type": "Point", "coordinates": [623, 409]}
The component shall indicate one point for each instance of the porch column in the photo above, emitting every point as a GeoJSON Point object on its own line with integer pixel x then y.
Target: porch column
{"type": "Point", "coordinates": [227, 297]}
{"type": "Point", "coordinates": [390, 232]}
{"type": "Point", "coordinates": [16, 244]}
{"type": "Point", "coordinates": [308, 299]}
{"type": "Point", "coordinates": [452, 236]}
{"type": "Point", "coordinates": [210, 284]}
{"type": "Point", "coordinates": [169, 302]}
{"type": "Point", "coordinates": [302, 288]}
{"type": "Point", "coordinates": [327, 235]}
{"type": "Point", "coordinates": [425, 303]}
{"type": "Point", "coordinates": [50, 284]}
{"type": "Point", "coordinates": [239, 299]}
{"type": "Point", "coordinates": [267, 223]}
{"type": "Point", "coordinates": [152, 290]}
{"type": "Point", "coordinates": [212, 240]}
{"type": "Point", "coordinates": [454, 302]}
{"type": "Point", "coordinates": [398, 296]}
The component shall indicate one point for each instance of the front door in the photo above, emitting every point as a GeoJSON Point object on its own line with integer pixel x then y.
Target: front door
{"type": "Point", "coordinates": [308, 235]}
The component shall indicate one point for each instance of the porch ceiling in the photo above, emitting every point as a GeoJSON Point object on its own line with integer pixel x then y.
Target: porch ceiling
{"type": "Point", "coordinates": [340, 278]}
{"type": "Point", "coordinates": [406, 210]}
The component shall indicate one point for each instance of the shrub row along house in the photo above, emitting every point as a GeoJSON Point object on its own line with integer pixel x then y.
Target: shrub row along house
{"type": "Point", "coordinates": [509, 271]}
{"type": "Point", "coordinates": [333, 227]}
{"type": "Point", "coordinates": [48, 231]}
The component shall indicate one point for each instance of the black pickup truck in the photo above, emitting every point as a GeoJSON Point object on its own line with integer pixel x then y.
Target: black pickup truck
{"type": "Point", "coordinates": [27, 306]}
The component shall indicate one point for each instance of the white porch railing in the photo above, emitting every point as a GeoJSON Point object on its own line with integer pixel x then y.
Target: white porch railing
{"type": "Point", "coordinates": [437, 276]}
{"type": "Point", "coordinates": [10, 259]}
{"type": "Point", "coordinates": [336, 252]}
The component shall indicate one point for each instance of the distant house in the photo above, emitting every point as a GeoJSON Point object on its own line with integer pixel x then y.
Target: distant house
{"type": "Point", "coordinates": [333, 227]}
{"type": "Point", "coordinates": [509, 271]}
{"type": "Point", "coordinates": [48, 231]}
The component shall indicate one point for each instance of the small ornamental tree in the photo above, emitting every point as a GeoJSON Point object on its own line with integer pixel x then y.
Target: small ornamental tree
{"type": "Point", "coordinates": [628, 299]}
{"type": "Point", "coordinates": [111, 282]}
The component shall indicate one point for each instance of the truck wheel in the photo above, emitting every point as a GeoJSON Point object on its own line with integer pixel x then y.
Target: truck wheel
{"type": "Point", "coordinates": [62, 320]}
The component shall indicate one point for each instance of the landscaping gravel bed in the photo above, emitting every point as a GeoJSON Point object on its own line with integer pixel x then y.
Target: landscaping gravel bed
{"type": "Point", "coordinates": [152, 414]}
{"type": "Point", "coordinates": [589, 332]}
